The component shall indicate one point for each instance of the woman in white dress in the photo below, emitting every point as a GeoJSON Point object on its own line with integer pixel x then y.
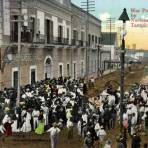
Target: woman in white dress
{"type": "Point", "coordinates": [14, 124]}
{"type": "Point", "coordinates": [79, 127]}
{"type": "Point", "coordinates": [26, 125]}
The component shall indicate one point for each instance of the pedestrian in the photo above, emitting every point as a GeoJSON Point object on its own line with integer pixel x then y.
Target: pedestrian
{"type": "Point", "coordinates": [79, 127]}
{"type": "Point", "coordinates": [145, 145]}
{"type": "Point", "coordinates": [26, 125]}
{"type": "Point", "coordinates": [101, 133]}
{"type": "Point", "coordinates": [7, 125]}
{"type": "Point", "coordinates": [120, 145]}
{"type": "Point", "coordinates": [35, 115]}
{"type": "Point", "coordinates": [107, 144]}
{"type": "Point", "coordinates": [146, 123]}
{"type": "Point", "coordinates": [54, 135]}
{"type": "Point", "coordinates": [88, 141]}
{"type": "Point", "coordinates": [136, 140]}
{"type": "Point", "coordinates": [41, 125]}
{"type": "Point", "coordinates": [70, 129]}
{"type": "Point", "coordinates": [123, 140]}
{"type": "Point", "coordinates": [85, 89]}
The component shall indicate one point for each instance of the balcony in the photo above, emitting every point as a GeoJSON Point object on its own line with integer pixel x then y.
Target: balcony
{"type": "Point", "coordinates": [73, 42]}
{"type": "Point", "coordinates": [78, 43]}
{"type": "Point", "coordinates": [26, 37]}
{"type": "Point", "coordinates": [60, 41]}
{"type": "Point", "coordinates": [40, 39]}
{"type": "Point", "coordinates": [81, 43]}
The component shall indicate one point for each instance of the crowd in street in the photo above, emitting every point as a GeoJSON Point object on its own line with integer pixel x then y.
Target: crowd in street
{"type": "Point", "coordinates": [55, 104]}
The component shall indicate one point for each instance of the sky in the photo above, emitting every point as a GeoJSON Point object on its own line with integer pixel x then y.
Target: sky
{"type": "Point", "coordinates": [137, 32]}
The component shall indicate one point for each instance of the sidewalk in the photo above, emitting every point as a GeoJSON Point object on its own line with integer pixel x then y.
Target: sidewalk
{"type": "Point", "coordinates": [95, 75]}
{"type": "Point", "coordinates": [109, 71]}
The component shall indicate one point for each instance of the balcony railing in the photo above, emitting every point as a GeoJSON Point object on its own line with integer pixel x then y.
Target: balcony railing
{"type": "Point", "coordinates": [78, 43]}
{"type": "Point", "coordinates": [40, 39]}
{"type": "Point", "coordinates": [60, 41]}
{"type": "Point", "coordinates": [26, 37]}
{"type": "Point", "coordinates": [73, 42]}
{"type": "Point", "coordinates": [81, 43]}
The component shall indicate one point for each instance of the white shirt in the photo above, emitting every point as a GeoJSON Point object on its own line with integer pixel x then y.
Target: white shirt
{"type": "Point", "coordinates": [111, 100]}
{"type": "Point", "coordinates": [69, 124]}
{"type": "Point", "coordinates": [101, 134]}
{"type": "Point", "coordinates": [144, 95]}
{"type": "Point", "coordinates": [35, 113]}
{"type": "Point", "coordinates": [97, 127]}
{"type": "Point", "coordinates": [85, 117]}
{"type": "Point", "coordinates": [107, 146]}
{"type": "Point", "coordinates": [54, 131]}
{"type": "Point", "coordinates": [125, 116]}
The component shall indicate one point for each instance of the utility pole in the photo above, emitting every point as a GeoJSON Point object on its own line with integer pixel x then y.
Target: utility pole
{"type": "Point", "coordinates": [88, 6]}
{"type": "Point", "coordinates": [19, 21]}
{"type": "Point", "coordinates": [110, 24]}
{"type": "Point", "coordinates": [19, 53]}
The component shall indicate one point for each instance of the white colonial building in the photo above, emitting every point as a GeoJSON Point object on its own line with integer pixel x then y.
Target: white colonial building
{"type": "Point", "coordinates": [53, 41]}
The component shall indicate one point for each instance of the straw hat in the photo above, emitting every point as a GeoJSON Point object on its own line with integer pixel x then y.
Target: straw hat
{"type": "Point", "coordinates": [88, 133]}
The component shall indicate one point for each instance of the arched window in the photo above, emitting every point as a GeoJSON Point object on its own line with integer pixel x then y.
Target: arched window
{"type": "Point", "coordinates": [47, 68]}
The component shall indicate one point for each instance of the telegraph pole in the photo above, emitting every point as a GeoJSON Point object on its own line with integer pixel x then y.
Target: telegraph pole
{"type": "Point", "coordinates": [19, 21]}
{"type": "Point", "coordinates": [111, 26]}
{"type": "Point", "coordinates": [88, 6]}
{"type": "Point", "coordinates": [19, 53]}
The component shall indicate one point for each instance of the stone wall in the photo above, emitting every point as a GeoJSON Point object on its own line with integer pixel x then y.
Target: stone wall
{"type": "Point", "coordinates": [0, 23]}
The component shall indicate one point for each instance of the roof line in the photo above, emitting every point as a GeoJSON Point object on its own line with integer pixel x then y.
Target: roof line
{"type": "Point", "coordinates": [85, 11]}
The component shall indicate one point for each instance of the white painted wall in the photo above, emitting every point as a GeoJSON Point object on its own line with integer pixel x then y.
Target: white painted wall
{"type": "Point", "coordinates": [25, 14]}
{"type": "Point", "coordinates": [55, 26]}
{"type": "Point", "coordinates": [64, 29]}
{"type": "Point", "coordinates": [41, 17]}
{"type": "Point", "coordinates": [113, 50]}
{"type": "Point", "coordinates": [0, 31]}
{"type": "Point", "coordinates": [70, 34]}
{"type": "Point", "coordinates": [6, 17]}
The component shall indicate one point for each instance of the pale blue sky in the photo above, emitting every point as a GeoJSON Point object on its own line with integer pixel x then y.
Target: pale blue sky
{"type": "Point", "coordinates": [115, 7]}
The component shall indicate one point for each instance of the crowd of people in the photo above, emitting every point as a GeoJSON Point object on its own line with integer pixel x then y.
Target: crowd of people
{"type": "Point", "coordinates": [55, 104]}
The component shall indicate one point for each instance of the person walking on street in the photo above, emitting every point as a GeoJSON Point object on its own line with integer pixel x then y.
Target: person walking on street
{"type": "Point", "coordinates": [107, 144]}
{"type": "Point", "coordinates": [88, 141]}
{"type": "Point", "coordinates": [54, 135]}
{"type": "Point", "coordinates": [136, 140]}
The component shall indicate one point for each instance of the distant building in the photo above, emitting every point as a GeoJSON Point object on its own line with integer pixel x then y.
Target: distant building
{"type": "Point", "coordinates": [53, 41]}
{"type": "Point", "coordinates": [137, 55]}
{"type": "Point", "coordinates": [108, 50]}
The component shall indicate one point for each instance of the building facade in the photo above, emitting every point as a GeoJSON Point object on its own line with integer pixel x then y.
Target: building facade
{"type": "Point", "coordinates": [108, 52]}
{"type": "Point", "coordinates": [53, 41]}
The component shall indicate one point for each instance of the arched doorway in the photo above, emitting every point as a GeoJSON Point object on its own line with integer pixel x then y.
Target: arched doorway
{"type": "Point", "coordinates": [48, 68]}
